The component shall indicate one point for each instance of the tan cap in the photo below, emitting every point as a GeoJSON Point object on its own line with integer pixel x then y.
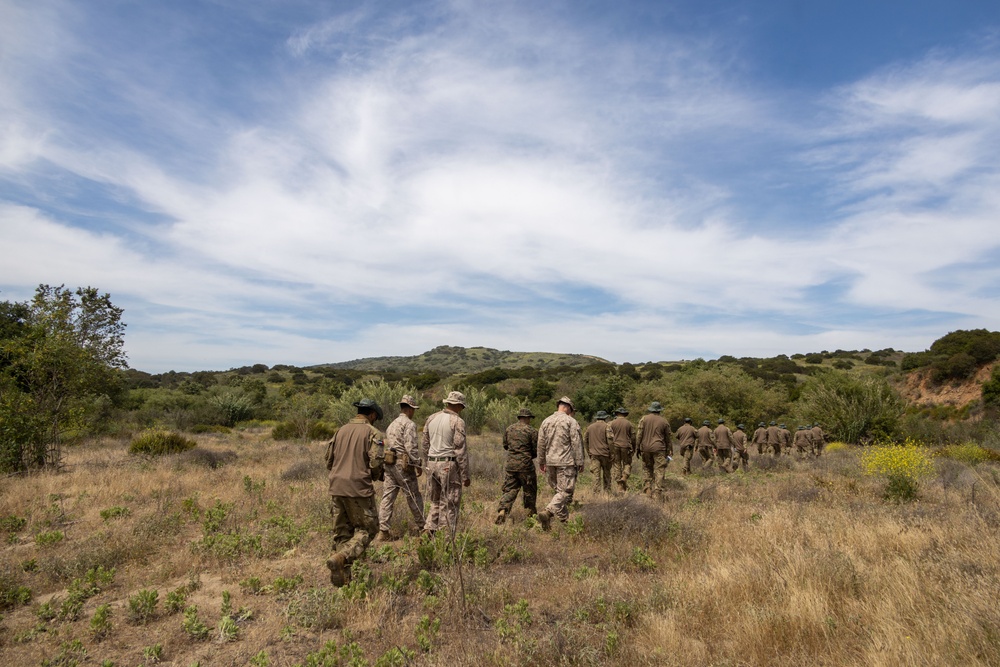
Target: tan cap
{"type": "Point", "coordinates": [568, 401]}
{"type": "Point", "coordinates": [408, 400]}
{"type": "Point", "coordinates": [455, 398]}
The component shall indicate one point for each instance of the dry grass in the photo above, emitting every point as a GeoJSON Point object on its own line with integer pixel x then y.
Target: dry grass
{"type": "Point", "coordinates": [796, 563]}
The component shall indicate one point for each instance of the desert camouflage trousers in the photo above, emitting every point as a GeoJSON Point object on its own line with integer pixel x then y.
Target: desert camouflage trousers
{"type": "Point", "coordinates": [563, 480]}
{"type": "Point", "coordinates": [355, 523]}
{"type": "Point", "coordinates": [621, 466]}
{"type": "Point", "coordinates": [444, 491]}
{"type": "Point", "coordinates": [654, 464]}
{"type": "Point", "coordinates": [600, 468]}
{"type": "Point", "coordinates": [400, 477]}
{"type": "Point", "coordinates": [518, 481]}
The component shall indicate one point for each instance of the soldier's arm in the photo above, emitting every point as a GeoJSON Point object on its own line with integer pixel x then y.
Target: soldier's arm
{"type": "Point", "coordinates": [576, 444]}
{"type": "Point", "coordinates": [461, 456]}
{"type": "Point", "coordinates": [506, 443]}
{"type": "Point", "coordinates": [543, 444]}
{"type": "Point", "coordinates": [639, 430]}
{"type": "Point", "coordinates": [425, 440]}
{"type": "Point", "coordinates": [411, 448]}
{"type": "Point", "coordinates": [586, 443]}
{"type": "Point", "coordinates": [609, 434]}
{"type": "Point", "coordinates": [534, 443]}
{"type": "Point", "coordinates": [329, 453]}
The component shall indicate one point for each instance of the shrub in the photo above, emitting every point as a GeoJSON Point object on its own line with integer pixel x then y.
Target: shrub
{"type": "Point", "coordinates": [142, 606]}
{"type": "Point", "coordinates": [158, 443]}
{"type": "Point", "coordinates": [320, 431]}
{"type": "Point", "coordinates": [629, 518]}
{"type": "Point", "coordinates": [852, 408]}
{"type": "Point", "coordinates": [100, 622]}
{"type": "Point", "coordinates": [969, 453]}
{"type": "Point", "coordinates": [209, 458]}
{"type": "Point", "coordinates": [902, 467]}
{"type": "Point", "coordinates": [12, 593]}
{"type": "Point", "coordinates": [303, 470]}
{"type": "Point", "coordinates": [193, 625]}
{"type": "Point", "coordinates": [835, 447]}
{"type": "Point", "coordinates": [116, 512]}
{"type": "Point", "coordinates": [285, 431]}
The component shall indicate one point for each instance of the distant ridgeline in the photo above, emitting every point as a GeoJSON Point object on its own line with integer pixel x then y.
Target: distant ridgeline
{"type": "Point", "coordinates": [450, 360]}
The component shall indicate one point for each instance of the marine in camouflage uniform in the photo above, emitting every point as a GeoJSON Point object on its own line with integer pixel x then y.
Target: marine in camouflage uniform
{"type": "Point", "coordinates": [653, 438]}
{"type": "Point", "coordinates": [447, 464]}
{"type": "Point", "coordinates": [803, 442]}
{"type": "Point", "coordinates": [354, 456]}
{"type": "Point", "coordinates": [402, 468]}
{"type": "Point", "coordinates": [760, 438]}
{"type": "Point", "coordinates": [596, 447]}
{"type": "Point", "coordinates": [686, 438]}
{"type": "Point", "coordinates": [560, 453]}
{"type": "Point", "coordinates": [621, 437]}
{"type": "Point", "coordinates": [786, 439]}
{"type": "Point", "coordinates": [706, 442]}
{"type": "Point", "coordinates": [818, 439]}
{"type": "Point", "coordinates": [521, 442]}
{"type": "Point", "coordinates": [723, 445]}
{"type": "Point", "coordinates": [742, 456]}
{"type": "Point", "coordinates": [774, 438]}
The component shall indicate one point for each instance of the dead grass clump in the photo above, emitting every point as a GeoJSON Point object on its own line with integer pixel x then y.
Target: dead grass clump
{"type": "Point", "coordinates": [303, 471]}
{"type": "Point", "coordinates": [100, 551]}
{"type": "Point", "coordinates": [628, 517]}
{"type": "Point", "coordinates": [210, 458]}
{"type": "Point", "coordinates": [772, 464]}
{"type": "Point", "coordinates": [800, 494]}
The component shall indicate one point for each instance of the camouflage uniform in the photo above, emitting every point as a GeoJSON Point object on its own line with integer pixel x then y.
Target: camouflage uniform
{"type": "Point", "coordinates": [803, 442]}
{"type": "Point", "coordinates": [723, 445]}
{"type": "Point", "coordinates": [521, 442]}
{"type": "Point", "coordinates": [560, 449]}
{"type": "Point", "coordinates": [760, 438]}
{"type": "Point", "coordinates": [595, 446]}
{"type": "Point", "coordinates": [740, 445]}
{"type": "Point", "coordinates": [653, 438]}
{"type": "Point", "coordinates": [706, 441]}
{"type": "Point", "coordinates": [818, 439]}
{"type": "Point", "coordinates": [619, 434]}
{"type": "Point", "coordinates": [355, 450]}
{"type": "Point", "coordinates": [774, 439]}
{"type": "Point", "coordinates": [686, 437]}
{"type": "Point", "coordinates": [401, 440]}
{"type": "Point", "coordinates": [447, 468]}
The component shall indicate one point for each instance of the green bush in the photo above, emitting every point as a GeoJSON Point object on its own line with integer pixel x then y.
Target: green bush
{"type": "Point", "coordinates": [969, 453]}
{"type": "Point", "coordinates": [159, 443]}
{"type": "Point", "coordinates": [852, 408]}
{"type": "Point", "coordinates": [142, 606]}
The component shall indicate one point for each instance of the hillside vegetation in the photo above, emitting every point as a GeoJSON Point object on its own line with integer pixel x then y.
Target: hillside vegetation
{"type": "Point", "coordinates": [449, 360]}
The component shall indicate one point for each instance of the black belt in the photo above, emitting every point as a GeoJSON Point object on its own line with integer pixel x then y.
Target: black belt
{"type": "Point", "coordinates": [440, 458]}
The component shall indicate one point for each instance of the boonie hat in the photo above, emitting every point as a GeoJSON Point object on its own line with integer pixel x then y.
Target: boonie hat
{"type": "Point", "coordinates": [455, 398]}
{"type": "Point", "coordinates": [408, 400]}
{"type": "Point", "coordinates": [368, 404]}
{"type": "Point", "coordinates": [621, 411]}
{"type": "Point", "coordinates": [568, 401]}
{"type": "Point", "coordinates": [601, 414]}
{"type": "Point", "coordinates": [655, 407]}
{"type": "Point", "coordinates": [524, 412]}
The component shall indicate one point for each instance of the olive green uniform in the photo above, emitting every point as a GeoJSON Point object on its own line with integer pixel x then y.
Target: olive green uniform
{"type": "Point", "coordinates": [818, 440]}
{"type": "Point", "coordinates": [355, 450]}
{"type": "Point", "coordinates": [760, 439]}
{"type": "Point", "coordinates": [521, 442]}
{"type": "Point", "coordinates": [774, 439]}
{"type": "Point", "coordinates": [653, 436]}
{"type": "Point", "coordinates": [803, 443]}
{"type": "Point", "coordinates": [706, 441]}
{"type": "Point", "coordinates": [723, 446]}
{"type": "Point", "coordinates": [595, 445]}
{"type": "Point", "coordinates": [686, 438]}
{"type": "Point", "coordinates": [741, 456]}
{"type": "Point", "coordinates": [621, 437]}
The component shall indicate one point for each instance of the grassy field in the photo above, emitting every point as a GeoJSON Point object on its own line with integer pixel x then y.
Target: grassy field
{"type": "Point", "coordinates": [795, 563]}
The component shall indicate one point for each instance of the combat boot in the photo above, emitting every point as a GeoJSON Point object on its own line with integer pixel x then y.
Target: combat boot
{"type": "Point", "coordinates": [545, 518]}
{"type": "Point", "coordinates": [501, 517]}
{"type": "Point", "coordinates": [339, 570]}
{"type": "Point", "coordinates": [383, 536]}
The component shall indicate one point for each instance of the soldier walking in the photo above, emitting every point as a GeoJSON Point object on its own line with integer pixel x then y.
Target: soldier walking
{"type": "Point", "coordinates": [818, 439]}
{"type": "Point", "coordinates": [402, 468]}
{"type": "Point", "coordinates": [774, 439]}
{"type": "Point", "coordinates": [622, 440]}
{"type": "Point", "coordinates": [723, 445]}
{"type": "Point", "coordinates": [560, 453]}
{"type": "Point", "coordinates": [706, 441]}
{"type": "Point", "coordinates": [803, 442]}
{"type": "Point", "coordinates": [653, 436]}
{"type": "Point", "coordinates": [760, 438]}
{"type": "Point", "coordinates": [596, 447]}
{"type": "Point", "coordinates": [786, 439]}
{"type": "Point", "coordinates": [686, 438]}
{"type": "Point", "coordinates": [353, 456]}
{"type": "Point", "coordinates": [740, 446]}
{"type": "Point", "coordinates": [521, 442]}
{"type": "Point", "coordinates": [447, 463]}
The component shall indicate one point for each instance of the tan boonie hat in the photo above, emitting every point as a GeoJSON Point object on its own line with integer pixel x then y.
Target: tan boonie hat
{"type": "Point", "coordinates": [455, 398]}
{"type": "Point", "coordinates": [524, 412]}
{"type": "Point", "coordinates": [567, 400]}
{"type": "Point", "coordinates": [408, 400]}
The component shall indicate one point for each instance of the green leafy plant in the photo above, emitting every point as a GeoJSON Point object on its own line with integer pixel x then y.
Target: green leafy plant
{"type": "Point", "coordinates": [115, 512]}
{"type": "Point", "coordinates": [193, 625]}
{"type": "Point", "coordinates": [50, 538]}
{"type": "Point", "coordinates": [641, 559]}
{"type": "Point", "coordinates": [160, 443]}
{"type": "Point", "coordinates": [71, 654]}
{"type": "Point", "coordinates": [513, 620]}
{"type": "Point", "coordinates": [426, 632]}
{"type": "Point", "coordinates": [100, 622]}
{"type": "Point", "coordinates": [142, 606]}
{"type": "Point", "coordinates": [153, 654]}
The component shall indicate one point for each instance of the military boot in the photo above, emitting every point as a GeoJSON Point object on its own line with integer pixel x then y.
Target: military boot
{"type": "Point", "coordinates": [501, 517]}
{"type": "Point", "coordinates": [545, 518]}
{"type": "Point", "coordinates": [339, 570]}
{"type": "Point", "coordinates": [383, 536]}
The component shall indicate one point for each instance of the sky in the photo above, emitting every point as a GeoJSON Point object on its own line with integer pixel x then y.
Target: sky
{"type": "Point", "coordinates": [312, 181]}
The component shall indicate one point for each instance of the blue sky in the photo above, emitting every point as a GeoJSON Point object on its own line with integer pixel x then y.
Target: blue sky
{"type": "Point", "coordinates": [312, 181]}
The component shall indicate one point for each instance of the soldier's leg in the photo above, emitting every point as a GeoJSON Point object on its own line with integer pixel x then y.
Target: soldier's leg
{"type": "Point", "coordinates": [363, 517]}
{"type": "Point", "coordinates": [411, 490]}
{"type": "Point", "coordinates": [617, 466]}
{"type": "Point", "coordinates": [452, 492]}
{"type": "Point", "coordinates": [659, 474]}
{"type": "Point", "coordinates": [434, 495]}
{"type": "Point", "coordinates": [626, 468]}
{"type": "Point", "coordinates": [565, 485]}
{"type": "Point", "coordinates": [648, 473]}
{"type": "Point", "coordinates": [529, 485]}
{"type": "Point", "coordinates": [777, 450]}
{"type": "Point", "coordinates": [687, 452]}
{"type": "Point", "coordinates": [342, 529]}
{"type": "Point", "coordinates": [511, 485]}
{"type": "Point", "coordinates": [595, 470]}
{"type": "Point", "coordinates": [606, 472]}
{"type": "Point", "coordinates": [725, 459]}
{"type": "Point", "coordinates": [392, 483]}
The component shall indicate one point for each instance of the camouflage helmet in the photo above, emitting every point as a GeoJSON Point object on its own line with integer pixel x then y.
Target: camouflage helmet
{"type": "Point", "coordinates": [762, 424]}
{"type": "Point", "coordinates": [621, 411]}
{"type": "Point", "coordinates": [687, 420]}
{"type": "Point", "coordinates": [601, 415]}
{"type": "Point", "coordinates": [740, 427]}
{"type": "Point", "coordinates": [655, 407]}
{"type": "Point", "coordinates": [706, 423]}
{"type": "Point", "coordinates": [368, 404]}
{"type": "Point", "coordinates": [525, 412]}
{"type": "Point", "coordinates": [722, 421]}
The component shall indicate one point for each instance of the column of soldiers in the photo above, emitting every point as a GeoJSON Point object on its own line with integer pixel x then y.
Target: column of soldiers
{"type": "Point", "coordinates": [358, 455]}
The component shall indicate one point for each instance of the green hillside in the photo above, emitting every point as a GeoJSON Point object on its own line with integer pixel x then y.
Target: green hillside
{"type": "Point", "coordinates": [451, 359]}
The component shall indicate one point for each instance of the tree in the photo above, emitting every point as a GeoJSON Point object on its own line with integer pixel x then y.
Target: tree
{"type": "Point", "coordinates": [852, 408]}
{"type": "Point", "coordinates": [58, 353]}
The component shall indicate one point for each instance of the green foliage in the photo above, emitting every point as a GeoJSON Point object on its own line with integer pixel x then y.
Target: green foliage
{"type": "Point", "coordinates": [49, 538]}
{"type": "Point", "coordinates": [12, 592]}
{"type": "Point", "coordinates": [331, 655]}
{"type": "Point", "coordinates": [397, 656]}
{"type": "Point", "coordinates": [902, 466]}
{"type": "Point", "coordinates": [58, 353]}
{"type": "Point", "coordinates": [176, 599]}
{"type": "Point", "coordinates": [142, 606]}
{"type": "Point", "coordinates": [641, 559]}
{"type": "Point", "coordinates": [82, 589]}
{"type": "Point", "coordinates": [116, 512]}
{"type": "Point", "coordinates": [12, 524]}
{"type": "Point", "coordinates": [604, 395]}
{"type": "Point", "coordinates": [71, 654]}
{"type": "Point", "coordinates": [260, 660]}
{"type": "Point", "coordinates": [968, 452]}
{"type": "Point", "coordinates": [160, 443]}
{"type": "Point", "coordinates": [513, 620]}
{"type": "Point", "coordinates": [235, 405]}
{"type": "Point", "coordinates": [228, 630]}
{"type": "Point", "coordinates": [991, 389]}
{"type": "Point", "coordinates": [100, 622]}
{"type": "Point", "coordinates": [316, 608]}
{"type": "Point", "coordinates": [152, 654]}
{"type": "Point", "coordinates": [193, 625]}
{"type": "Point", "coordinates": [426, 632]}
{"type": "Point", "coordinates": [852, 408]}
{"type": "Point", "coordinates": [957, 355]}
